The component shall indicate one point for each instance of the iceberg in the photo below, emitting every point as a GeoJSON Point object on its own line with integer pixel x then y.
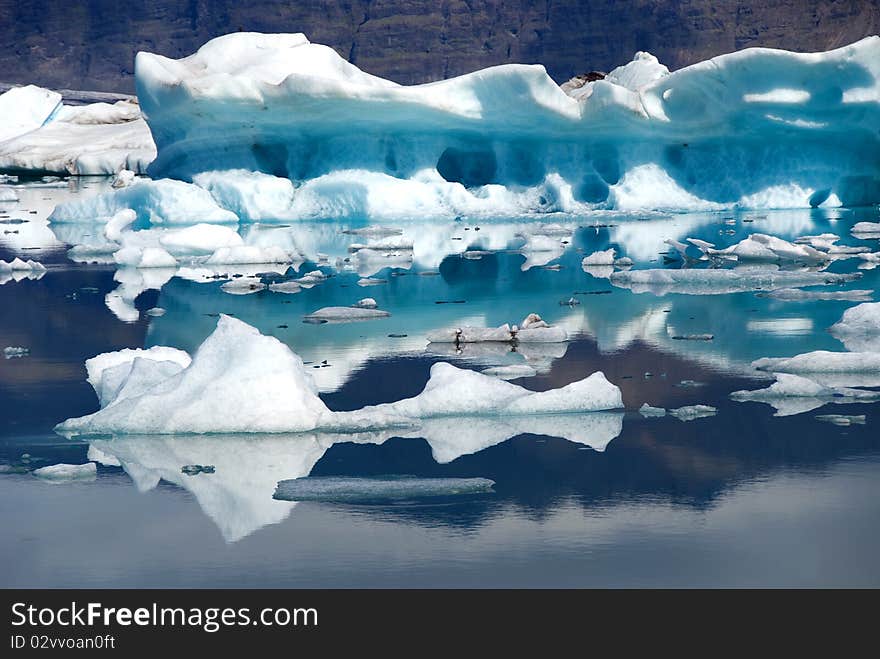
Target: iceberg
{"type": "Point", "coordinates": [25, 109]}
{"type": "Point", "coordinates": [822, 361]}
{"type": "Point", "coordinates": [859, 328]}
{"type": "Point", "coordinates": [796, 294]}
{"type": "Point", "coordinates": [691, 412]}
{"type": "Point", "coordinates": [705, 281]}
{"type": "Point", "coordinates": [755, 128]}
{"type": "Point", "coordinates": [794, 394]}
{"type": "Point", "coordinates": [65, 472]}
{"type": "Point", "coordinates": [240, 381]}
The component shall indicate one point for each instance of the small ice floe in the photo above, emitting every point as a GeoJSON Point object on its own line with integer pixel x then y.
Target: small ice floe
{"type": "Point", "coordinates": [689, 384]}
{"type": "Point", "coordinates": [289, 287]}
{"type": "Point", "coordinates": [821, 361]}
{"type": "Point", "coordinates": [12, 352]}
{"type": "Point", "coordinates": [860, 229]}
{"type": "Point", "coordinates": [250, 254]}
{"type": "Point", "coordinates": [794, 394]}
{"type": "Point", "coordinates": [720, 281]}
{"type": "Point", "coordinates": [648, 411]}
{"type": "Point", "coordinates": [312, 278]}
{"type": "Point", "coordinates": [533, 329]}
{"type": "Point", "coordinates": [362, 310]}
{"type": "Point", "coordinates": [842, 419]}
{"type": "Point", "coordinates": [8, 194]}
{"type": "Point", "coordinates": [511, 371]}
{"type": "Point", "coordinates": [392, 244]}
{"type": "Point", "coordinates": [123, 179]}
{"type": "Point", "coordinates": [761, 247]}
{"type": "Point", "coordinates": [693, 337]}
{"type": "Point", "coordinates": [605, 257]}
{"type": "Point", "coordinates": [623, 262]}
{"type": "Point", "coordinates": [195, 470]}
{"type": "Point", "coordinates": [859, 328]}
{"type": "Point", "coordinates": [156, 312]}
{"type": "Point", "coordinates": [369, 281]}
{"type": "Point", "coordinates": [691, 412]}
{"type": "Point", "coordinates": [66, 472]}
{"type": "Point", "coordinates": [384, 488]}
{"type": "Point", "coordinates": [243, 286]}
{"type": "Point", "coordinates": [570, 302]}
{"type": "Point", "coordinates": [796, 294]}
{"type": "Point", "coordinates": [207, 239]}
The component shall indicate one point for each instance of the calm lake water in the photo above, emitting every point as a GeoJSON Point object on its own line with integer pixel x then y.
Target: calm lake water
{"type": "Point", "coordinates": [742, 498]}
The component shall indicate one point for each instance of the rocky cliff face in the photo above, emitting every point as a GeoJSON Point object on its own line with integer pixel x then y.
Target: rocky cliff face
{"type": "Point", "coordinates": [91, 44]}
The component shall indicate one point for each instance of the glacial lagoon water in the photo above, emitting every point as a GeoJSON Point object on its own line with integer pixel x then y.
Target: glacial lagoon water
{"type": "Point", "coordinates": [741, 498]}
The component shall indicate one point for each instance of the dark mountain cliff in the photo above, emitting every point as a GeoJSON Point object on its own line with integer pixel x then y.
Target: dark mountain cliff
{"type": "Point", "coordinates": [90, 44]}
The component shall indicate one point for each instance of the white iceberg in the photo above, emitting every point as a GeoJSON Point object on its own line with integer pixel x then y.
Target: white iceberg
{"type": "Point", "coordinates": [242, 381]}
{"type": "Point", "coordinates": [691, 412]}
{"type": "Point", "coordinates": [711, 281]}
{"type": "Point", "coordinates": [61, 473]}
{"type": "Point", "coordinates": [200, 239]}
{"type": "Point", "coordinates": [859, 328]}
{"type": "Point", "coordinates": [822, 361]}
{"type": "Point", "coordinates": [25, 109]}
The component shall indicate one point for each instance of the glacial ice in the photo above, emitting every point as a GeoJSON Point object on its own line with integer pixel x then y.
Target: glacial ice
{"type": "Point", "coordinates": [508, 138]}
{"type": "Point", "coordinates": [649, 411]}
{"type": "Point", "coordinates": [46, 136]}
{"type": "Point", "coordinates": [200, 239]}
{"type": "Point", "coordinates": [706, 281]}
{"type": "Point", "coordinates": [346, 314]}
{"type": "Point", "coordinates": [242, 381]}
{"type": "Point", "coordinates": [860, 228]}
{"type": "Point", "coordinates": [794, 394]}
{"type": "Point", "coordinates": [97, 365]}
{"type": "Point", "coordinates": [797, 294]}
{"type": "Point", "coordinates": [842, 419]}
{"type": "Point", "coordinates": [822, 361]}
{"type": "Point", "coordinates": [148, 257]}
{"type": "Point", "coordinates": [67, 472]}
{"type": "Point", "coordinates": [859, 328]}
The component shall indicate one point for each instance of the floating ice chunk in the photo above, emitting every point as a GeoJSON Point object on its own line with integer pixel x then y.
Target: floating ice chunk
{"type": "Point", "coordinates": [200, 239]}
{"type": "Point", "coordinates": [842, 419]}
{"type": "Point", "coordinates": [70, 144]}
{"type": "Point", "coordinates": [388, 488]}
{"type": "Point", "coordinates": [693, 337]}
{"type": "Point", "coordinates": [691, 412]}
{"type": "Point", "coordinates": [164, 201]}
{"type": "Point", "coordinates": [793, 394]}
{"type": "Point", "coordinates": [346, 314]}
{"type": "Point", "coordinates": [866, 228]}
{"type": "Point", "coordinates": [243, 286]}
{"type": "Point", "coordinates": [786, 385]}
{"type": "Point", "coordinates": [246, 254]}
{"type": "Point", "coordinates": [11, 352]}
{"type": "Point", "coordinates": [66, 472]}
{"type": "Point", "coordinates": [242, 381]}
{"type": "Point", "coordinates": [454, 391]}
{"type": "Point", "coordinates": [511, 371]}
{"type": "Point", "coordinates": [859, 328]}
{"type": "Point", "coordinates": [366, 303]}
{"type": "Point", "coordinates": [311, 279]}
{"type": "Point", "coordinates": [374, 231]}
{"type": "Point", "coordinates": [8, 194]}
{"type": "Point", "coordinates": [822, 361]}
{"type": "Point", "coordinates": [599, 258]}
{"type": "Point", "coordinates": [366, 281]}
{"type": "Point", "coordinates": [239, 381]}
{"type": "Point", "coordinates": [25, 109]}
{"type": "Point", "coordinates": [711, 281]}
{"type": "Point", "coordinates": [761, 247]}
{"type": "Point", "coordinates": [649, 412]}
{"type": "Point", "coordinates": [289, 287]}
{"type": "Point", "coordinates": [796, 294]}
{"type": "Point", "coordinates": [467, 334]}
{"type": "Point", "coordinates": [394, 243]}
{"type": "Point", "coordinates": [148, 257]}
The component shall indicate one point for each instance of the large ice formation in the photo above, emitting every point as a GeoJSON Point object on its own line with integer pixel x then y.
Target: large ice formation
{"type": "Point", "coordinates": [242, 381]}
{"type": "Point", "coordinates": [758, 128]}
{"type": "Point", "coordinates": [40, 134]}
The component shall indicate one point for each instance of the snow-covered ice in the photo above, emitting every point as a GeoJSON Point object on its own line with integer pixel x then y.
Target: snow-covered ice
{"type": "Point", "coordinates": [859, 328]}
{"type": "Point", "coordinates": [822, 361]}
{"type": "Point", "coordinates": [691, 412]}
